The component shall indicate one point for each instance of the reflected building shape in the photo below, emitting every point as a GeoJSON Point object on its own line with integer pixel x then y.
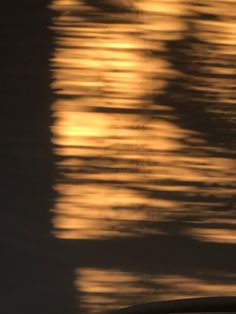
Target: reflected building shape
{"type": "Point", "coordinates": [124, 159]}
{"type": "Point", "coordinates": [104, 131]}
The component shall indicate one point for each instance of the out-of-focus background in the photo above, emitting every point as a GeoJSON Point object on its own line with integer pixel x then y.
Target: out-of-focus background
{"type": "Point", "coordinates": [118, 146]}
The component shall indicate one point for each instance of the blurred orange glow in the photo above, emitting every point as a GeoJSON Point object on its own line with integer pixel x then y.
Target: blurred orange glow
{"type": "Point", "coordinates": [125, 159]}
{"type": "Point", "coordinates": [217, 235]}
{"type": "Point", "coordinates": [102, 290]}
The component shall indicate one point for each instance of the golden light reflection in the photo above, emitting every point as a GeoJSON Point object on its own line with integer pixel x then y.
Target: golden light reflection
{"type": "Point", "coordinates": [169, 7]}
{"type": "Point", "coordinates": [102, 290]}
{"type": "Point", "coordinates": [125, 159]}
{"type": "Point", "coordinates": [217, 235]}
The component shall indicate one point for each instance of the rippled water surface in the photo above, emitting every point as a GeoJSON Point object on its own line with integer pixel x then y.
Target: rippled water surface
{"type": "Point", "coordinates": [140, 167]}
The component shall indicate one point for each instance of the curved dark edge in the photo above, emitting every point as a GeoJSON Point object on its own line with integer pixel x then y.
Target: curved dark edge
{"type": "Point", "coordinates": [193, 305]}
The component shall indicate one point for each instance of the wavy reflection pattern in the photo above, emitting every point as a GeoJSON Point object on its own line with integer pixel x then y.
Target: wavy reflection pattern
{"type": "Point", "coordinates": [144, 133]}
{"type": "Point", "coordinates": [124, 158]}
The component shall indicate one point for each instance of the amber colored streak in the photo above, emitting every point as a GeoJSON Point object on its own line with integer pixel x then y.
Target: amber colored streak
{"type": "Point", "coordinates": [62, 5]}
{"type": "Point", "coordinates": [217, 235]}
{"type": "Point", "coordinates": [167, 7]}
{"type": "Point", "coordinates": [102, 290]}
{"type": "Point", "coordinates": [94, 211]}
{"type": "Point", "coordinates": [225, 34]}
